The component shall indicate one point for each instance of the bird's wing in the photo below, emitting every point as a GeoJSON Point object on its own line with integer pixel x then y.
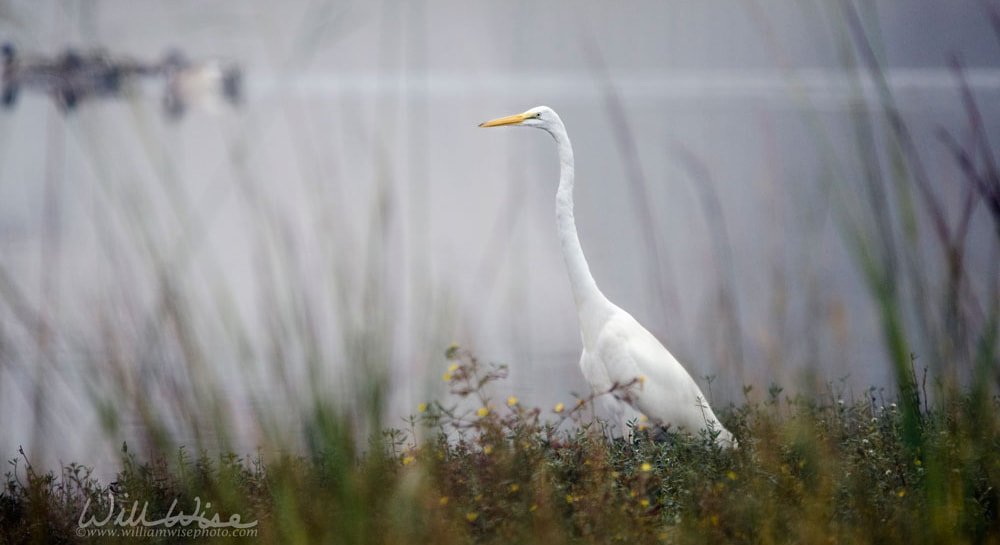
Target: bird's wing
{"type": "Point", "coordinates": [667, 392]}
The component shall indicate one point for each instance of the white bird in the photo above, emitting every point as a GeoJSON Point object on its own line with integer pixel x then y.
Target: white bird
{"type": "Point", "coordinates": [618, 353]}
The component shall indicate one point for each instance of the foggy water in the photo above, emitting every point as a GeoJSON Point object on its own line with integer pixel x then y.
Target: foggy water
{"type": "Point", "coordinates": [354, 177]}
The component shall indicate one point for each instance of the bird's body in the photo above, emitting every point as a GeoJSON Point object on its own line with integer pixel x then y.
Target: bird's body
{"type": "Point", "coordinates": [619, 355]}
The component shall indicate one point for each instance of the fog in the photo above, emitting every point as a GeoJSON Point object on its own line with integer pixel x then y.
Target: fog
{"type": "Point", "coordinates": [352, 207]}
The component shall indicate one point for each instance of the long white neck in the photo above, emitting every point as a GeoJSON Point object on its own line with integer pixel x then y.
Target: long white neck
{"type": "Point", "coordinates": [593, 308]}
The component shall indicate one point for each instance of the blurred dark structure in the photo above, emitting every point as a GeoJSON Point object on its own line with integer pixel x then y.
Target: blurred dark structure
{"type": "Point", "coordinates": [75, 76]}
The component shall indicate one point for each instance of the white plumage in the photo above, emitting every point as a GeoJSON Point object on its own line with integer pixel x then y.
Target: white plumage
{"type": "Point", "coordinates": [617, 350]}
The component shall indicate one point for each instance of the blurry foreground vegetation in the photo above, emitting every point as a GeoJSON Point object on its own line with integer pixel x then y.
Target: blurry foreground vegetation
{"type": "Point", "coordinates": [827, 470]}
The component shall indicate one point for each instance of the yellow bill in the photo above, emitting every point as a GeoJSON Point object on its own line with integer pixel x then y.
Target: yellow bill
{"type": "Point", "coordinates": [509, 120]}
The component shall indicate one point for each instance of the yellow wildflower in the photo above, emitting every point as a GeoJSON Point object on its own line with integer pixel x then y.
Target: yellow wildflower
{"type": "Point", "coordinates": [559, 408]}
{"type": "Point", "coordinates": [453, 368]}
{"type": "Point", "coordinates": [407, 460]}
{"type": "Point", "coordinates": [483, 411]}
{"type": "Point", "coordinates": [447, 377]}
{"type": "Point", "coordinates": [443, 500]}
{"type": "Point", "coordinates": [646, 467]}
{"type": "Point", "coordinates": [514, 488]}
{"type": "Point", "coordinates": [471, 517]}
{"type": "Point", "coordinates": [487, 449]}
{"type": "Point", "coordinates": [422, 407]}
{"type": "Point", "coordinates": [644, 502]}
{"type": "Point", "coordinates": [731, 475]}
{"type": "Point", "coordinates": [511, 400]}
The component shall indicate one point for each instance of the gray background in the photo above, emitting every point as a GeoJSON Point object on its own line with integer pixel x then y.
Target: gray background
{"type": "Point", "coordinates": [354, 177]}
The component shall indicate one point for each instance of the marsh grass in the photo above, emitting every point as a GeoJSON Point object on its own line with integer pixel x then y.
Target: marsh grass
{"type": "Point", "coordinates": [472, 469]}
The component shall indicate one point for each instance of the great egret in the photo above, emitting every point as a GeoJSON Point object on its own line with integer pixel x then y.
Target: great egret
{"type": "Point", "coordinates": [618, 353]}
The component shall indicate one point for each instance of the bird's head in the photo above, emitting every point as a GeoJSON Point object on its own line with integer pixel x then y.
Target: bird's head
{"type": "Point", "coordinates": [540, 117]}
